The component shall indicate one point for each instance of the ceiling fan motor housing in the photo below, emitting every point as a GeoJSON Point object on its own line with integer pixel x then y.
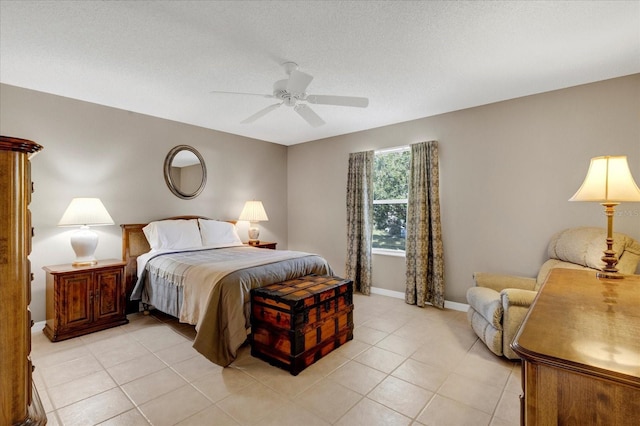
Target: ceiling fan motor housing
{"type": "Point", "coordinates": [280, 92]}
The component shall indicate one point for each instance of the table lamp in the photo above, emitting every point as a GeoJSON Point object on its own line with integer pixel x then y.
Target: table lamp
{"type": "Point", "coordinates": [609, 182]}
{"type": "Point", "coordinates": [85, 212]}
{"type": "Point", "coordinates": [253, 212]}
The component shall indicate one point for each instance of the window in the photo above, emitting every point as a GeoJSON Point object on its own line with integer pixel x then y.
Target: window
{"type": "Point", "coordinates": [390, 194]}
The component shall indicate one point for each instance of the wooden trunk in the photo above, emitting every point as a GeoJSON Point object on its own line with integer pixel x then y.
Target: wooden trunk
{"type": "Point", "coordinates": [296, 322]}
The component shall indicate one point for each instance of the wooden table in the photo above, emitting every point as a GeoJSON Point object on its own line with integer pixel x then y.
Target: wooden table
{"type": "Point", "coordinates": [580, 347]}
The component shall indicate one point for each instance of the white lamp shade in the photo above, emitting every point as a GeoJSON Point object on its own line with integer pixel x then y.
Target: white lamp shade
{"type": "Point", "coordinates": [253, 211]}
{"type": "Point", "coordinates": [608, 180]}
{"type": "Point", "coordinates": [85, 211]}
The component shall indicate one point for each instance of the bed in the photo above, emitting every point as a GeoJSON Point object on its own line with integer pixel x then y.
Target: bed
{"type": "Point", "coordinates": [197, 270]}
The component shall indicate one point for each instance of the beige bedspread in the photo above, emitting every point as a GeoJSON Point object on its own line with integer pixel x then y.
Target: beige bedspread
{"type": "Point", "coordinates": [200, 280]}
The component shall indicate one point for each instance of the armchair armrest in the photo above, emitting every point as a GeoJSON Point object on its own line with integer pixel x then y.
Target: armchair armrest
{"type": "Point", "coordinates": [517, 297]}
{"type": "Point", "coordinates": [515, 304]}
{"type": "Point", "coordinates": [499, 282]}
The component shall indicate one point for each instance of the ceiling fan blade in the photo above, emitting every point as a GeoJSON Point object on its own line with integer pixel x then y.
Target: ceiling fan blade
{"type": "Point", "coordinates": [298, 81]}
{"type": "Point", "coordinates": [260, 113]}
{"type": "Point", "coordinates": [309, 115]}
{"type": "Point", "coordinates": [242, 93]}
{"type": "Point", "coordinates": [350, 101]}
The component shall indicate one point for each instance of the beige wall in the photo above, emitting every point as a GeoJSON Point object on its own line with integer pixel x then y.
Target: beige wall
{"type": "Point", "coordinates": [118, 156]}
{"type": "Point", "coordinates": [507, 171]}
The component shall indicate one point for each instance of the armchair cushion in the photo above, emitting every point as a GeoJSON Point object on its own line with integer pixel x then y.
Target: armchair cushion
{"type": "Point", "coordinates": [584, 246]}
{"type": "Point", "coordinates": [551, 264]}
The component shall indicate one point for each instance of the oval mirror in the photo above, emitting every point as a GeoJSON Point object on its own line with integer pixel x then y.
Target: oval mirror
{"type": "Point", "coordinates": [185, 172]}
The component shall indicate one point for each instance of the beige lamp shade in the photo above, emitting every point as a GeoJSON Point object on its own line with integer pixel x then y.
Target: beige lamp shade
{"type": "Point", "coordinates": [84, 212]}
{"type": "Point", "coordinates": [608, 180]}
{"type": "Point", "coordinates": [253, 211]}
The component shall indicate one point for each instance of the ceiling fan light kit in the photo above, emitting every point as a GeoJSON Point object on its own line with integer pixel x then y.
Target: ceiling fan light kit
{"type": "Point", "coordinates": [292, 91]}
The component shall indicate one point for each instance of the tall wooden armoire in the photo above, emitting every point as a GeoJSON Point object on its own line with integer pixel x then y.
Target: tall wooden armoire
{"type": "Point", "coordinates": [19, 401]}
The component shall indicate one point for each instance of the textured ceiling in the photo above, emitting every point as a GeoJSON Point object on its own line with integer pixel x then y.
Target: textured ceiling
{"type": "Point", "coordinates": [411, 59]}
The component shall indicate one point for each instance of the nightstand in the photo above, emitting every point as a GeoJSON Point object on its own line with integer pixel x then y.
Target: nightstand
{"type": "Point", "coordinates": [265, 245]}
{"type": "Point", "coordinates": [81, 300]}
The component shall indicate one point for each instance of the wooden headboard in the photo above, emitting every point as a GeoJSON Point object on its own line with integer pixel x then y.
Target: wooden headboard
{"type": "Point", "coordinates": [134, 243]}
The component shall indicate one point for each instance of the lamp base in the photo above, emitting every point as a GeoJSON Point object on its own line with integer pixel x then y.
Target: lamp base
{"type": "Point", "coordinates": [610, 260]}
{"type": "Point", "coordinates": [78, 263]}
{"type": "Point", "coordinates": [84, 242]}
{"type": "Point", "coordinates": [609, 275]}
{"type": "Point", "coordinates": [254, 234]}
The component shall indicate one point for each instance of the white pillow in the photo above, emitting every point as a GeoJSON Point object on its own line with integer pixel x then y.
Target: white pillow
{"type": "Point", "coordinates": [173, 234]}
{"type": "Point", "coordinates": [219, 234]}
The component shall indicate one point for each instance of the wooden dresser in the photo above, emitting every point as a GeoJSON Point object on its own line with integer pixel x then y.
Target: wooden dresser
{"type": "Point", "coordinates": [580, 347]}
{"type": "Point", "coordinates": [19, 402]}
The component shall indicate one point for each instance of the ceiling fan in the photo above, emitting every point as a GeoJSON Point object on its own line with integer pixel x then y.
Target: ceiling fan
{"type": "Point", "coordinates": [291, 92]}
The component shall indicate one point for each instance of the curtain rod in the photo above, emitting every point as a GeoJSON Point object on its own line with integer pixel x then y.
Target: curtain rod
{"type": "Point", "coordinates": [393, 149]}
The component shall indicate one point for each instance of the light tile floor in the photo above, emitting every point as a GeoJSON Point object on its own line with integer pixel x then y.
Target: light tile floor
{"type": "Point", "coordinates": [405, 366]}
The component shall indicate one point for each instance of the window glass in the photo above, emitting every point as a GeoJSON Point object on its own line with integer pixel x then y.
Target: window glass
{"type": "Point", "coordinates": [390, 193]}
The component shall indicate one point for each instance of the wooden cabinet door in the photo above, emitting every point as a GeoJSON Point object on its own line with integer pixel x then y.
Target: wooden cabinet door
{"type": "Point", "coordinates": [109, 295]}
{"type": "Point", "coordinates": [74, 300]}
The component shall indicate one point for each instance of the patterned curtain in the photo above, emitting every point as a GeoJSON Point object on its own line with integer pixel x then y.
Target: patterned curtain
{"type": "Point", "coordinates": [424, 255]}
{"type": "Point", "coordinates": [359, 219]}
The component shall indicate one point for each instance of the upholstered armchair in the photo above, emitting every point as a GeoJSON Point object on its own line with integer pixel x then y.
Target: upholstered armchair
{"type": "Point", "coordinates": [499, 303]}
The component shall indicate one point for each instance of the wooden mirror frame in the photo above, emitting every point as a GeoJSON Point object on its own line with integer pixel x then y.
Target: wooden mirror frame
{"type": "Point", "coordinates": [178, 192]}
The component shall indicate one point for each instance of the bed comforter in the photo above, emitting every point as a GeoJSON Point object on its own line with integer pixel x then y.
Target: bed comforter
{"type": "Point", "coordinates": [210, 289]}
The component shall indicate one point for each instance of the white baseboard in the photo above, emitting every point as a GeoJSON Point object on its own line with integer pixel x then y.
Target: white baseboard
{"type": "Point", "coordinates": [456, 306]}
{"type": "Point", "coordinates": [389, 293]}
{"type": "Point", "coordinates": [463, 307]}
{"type": "Point", "coordinates": [38, 327]}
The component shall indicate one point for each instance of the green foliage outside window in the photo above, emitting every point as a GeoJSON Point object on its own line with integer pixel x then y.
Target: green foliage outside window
{"type": "Point", "coordinates": [390, 193]}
